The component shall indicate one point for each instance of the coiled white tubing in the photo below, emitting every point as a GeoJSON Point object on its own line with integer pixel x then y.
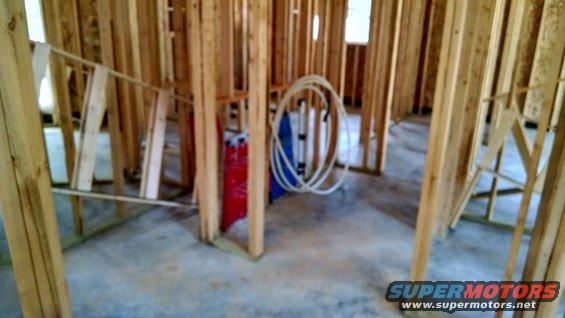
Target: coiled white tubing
{"type": "Point", "coordinates": [320, 175]}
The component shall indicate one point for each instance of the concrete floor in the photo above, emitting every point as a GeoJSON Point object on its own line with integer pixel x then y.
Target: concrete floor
{"type": "Point", "coordinates": [330, 256]}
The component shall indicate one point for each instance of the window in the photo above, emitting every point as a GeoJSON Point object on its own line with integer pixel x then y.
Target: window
{"type": "Point", "coordinates": [315, 27]}
{"type": "Point", "coordinates": [358, 21]}
{"type": "Point", "coordinates": [37, 33]}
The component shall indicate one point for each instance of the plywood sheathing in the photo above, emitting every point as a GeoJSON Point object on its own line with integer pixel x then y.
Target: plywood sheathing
{"type": "Point", "coordinates": [548, 57]}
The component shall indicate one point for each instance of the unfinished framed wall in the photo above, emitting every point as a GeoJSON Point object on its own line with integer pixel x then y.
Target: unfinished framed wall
{"type": "Point", "coordinates": [101, 112]}
{"type": "Point", "coordinates": [481, 72]}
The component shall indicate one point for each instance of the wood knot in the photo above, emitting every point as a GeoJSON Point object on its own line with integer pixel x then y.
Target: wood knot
{"type": "Point", "coordinates": [12, 24]}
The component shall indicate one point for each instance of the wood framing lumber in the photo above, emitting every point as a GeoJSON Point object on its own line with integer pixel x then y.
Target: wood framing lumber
{"type": "Point", "coordinates": [508, 118]}
{"type": "Point", "coordinates": [258, 97]}
{"type": "Point", "coordinates": [540, 180]}
{"type": "Point", "coordinates": [507, 80]}
{"type": "Point", "coordinates": [526, 50]}
{"type": "Point", "coordinates": [524, 150]}
{"type": "Point", "coordinates": [62, 111]}
{"type": "Point", "coordinates": [336, 29]}
{"type": "Point", "coordinates": [368, 105]}
{"type": "Point", "coordinates": [40, 61]}
{"type": "Point", "coordinates": [410, 42]}
{"type": "Point", "coordinates": [464, 197]}
{"type": "Point", "coordinates": [494, 186]}
{"type": "Point", "coordinates": [508, 58]}
{"type": "Point", "coordinates": [431, 17]}
{"type": "Point", "coordinates": [69, 19]}
{"type": "Point", "coordinates": [460, 113]}
{"type": "Point", "coordinates": [549, 229]}
{"type": "Point", "coordinates": [92, 116]}
{"type": "Point", "coordinates": [154, 147]}
{"type": "Point", "coordinates": [136, 59]}
{"type": "Point", "coordinates": [182, 80]}
{"type": "Point", "coordinates": [531, 176]}
{"type": "Point", "coordinates": [319, 57]}
{"type": "Point", "coordinates": [465, 128]}
{"type": "Point", "coordinates": [404, 28]}
{"type": "Point", "coordinates": [292, 42]}
{"type": "Point", "coordinates": [559, 96]}
{"type": "Point", "coordinates": [478, 70]}
{"type": "Point", "coordinates": [508, 179]}
{"type": "Point", "coordinates": [107, 54]}
{"type": "Point", "coordinates": [555, 270]}
{"type": "Point", "coordinates": [26, 202]}
{"type": "Point", "coordinates": [162, 29]}
{"type": "Point", "coordinates": [355, 61]}
{"type": "Point", "coordinates": [506, 226]}
{"type": "Point", "coordinates": [382, 132]}
{"type": "Point", "coordinates": [224, 47]}
{"type": "Point", "coordinates": [524, 89]}
{"type": "Point", "coordinates": [126, 93]}
{"type": "Point", "coordinates": [165, 42]}
{"type": "Point", "coordinates": [522, 142]}
{"type": "Point", "coordinates": [203, 65]}
{"type": "Point", "coordinates": [245, 45]}
{"type": "Point", "coordinates": [379, 72]}
{"type": "Point", "coordinates": [501, 192]}
{"type": "Point", "coordinates": [488, 79]}
{"type": "Point", "coordinates": [119, 75]}
{"type": "Point", "coordinates": [149, 46]}
{"type": "Point", "coordinates": [433, 43]}
{"type": "Point", "coordinates": [456, 15]}
{"type": "Point", "coordinates": [377, 67]}
{"type": "Point", "coordinates": [241, 115]}
{"type": "Point", "coordinates": [280, 39]}
{"type": "Point", "coordinates": [122, 198]}
{"type": "Point", "coordinates": [238, 9]}
{"type": "Point", "coordinates": [305, 37]}
{"type": "Point", "coordinates": [335, 63]}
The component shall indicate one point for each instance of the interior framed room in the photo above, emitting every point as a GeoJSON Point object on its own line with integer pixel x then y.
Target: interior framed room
{"type": "Point", "coordinates": [276, 158]}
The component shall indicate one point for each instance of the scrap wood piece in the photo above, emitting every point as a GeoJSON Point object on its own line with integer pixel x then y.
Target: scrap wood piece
{"type": "Point", "coordinates": [39, 62]}
{"type": "Point", "coordinates": [153, 155]}
{"type": "Point", "coordinates": [92, 115]}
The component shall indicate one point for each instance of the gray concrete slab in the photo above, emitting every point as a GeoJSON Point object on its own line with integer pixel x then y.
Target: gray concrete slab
{"type": "Point", "coordinates": [330, 256]}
